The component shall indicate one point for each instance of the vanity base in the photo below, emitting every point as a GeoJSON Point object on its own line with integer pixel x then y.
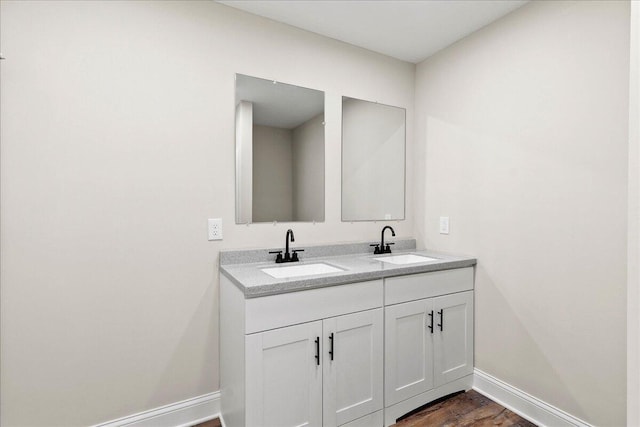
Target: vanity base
{"type": "Point", "coordinates": [392, 413]}
{"type": "Point", "coordinates": [374, 419]}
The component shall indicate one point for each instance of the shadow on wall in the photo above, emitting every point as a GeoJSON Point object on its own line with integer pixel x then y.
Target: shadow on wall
{"type": "Point", "coordinates": [511, 331]}
{"type": "Point", "coordinates": [547, 315]}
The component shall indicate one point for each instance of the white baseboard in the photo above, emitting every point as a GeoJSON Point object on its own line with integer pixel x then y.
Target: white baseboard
{"type": "Point", "coordinates": [180, 414]}
{"type": "Point", "coordinates": [523, 404]}
{"type": "Point", "coordinates": [206, 407]}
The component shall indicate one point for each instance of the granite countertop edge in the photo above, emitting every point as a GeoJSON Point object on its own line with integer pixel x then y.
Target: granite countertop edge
{"type": "Point", "coordinates": [282, 286]}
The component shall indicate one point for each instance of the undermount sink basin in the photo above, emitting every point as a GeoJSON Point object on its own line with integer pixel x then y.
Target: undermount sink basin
{"type": "Point", "coordinates": [405, 259]}
{"type": "Point", "coordinates": [285, 272]}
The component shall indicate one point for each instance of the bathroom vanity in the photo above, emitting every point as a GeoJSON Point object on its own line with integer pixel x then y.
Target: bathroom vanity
{"type": "Point", "coordinates": [344, 337]}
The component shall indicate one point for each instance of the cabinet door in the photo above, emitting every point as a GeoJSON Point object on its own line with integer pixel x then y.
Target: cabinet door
{"type": "Point", "coordinates": [353, 366]}
{"type": "Point", "coordinates": [408, 350]}
{"type": "Point", "coordinates": [284, 377]}
{"type": "Point", "coordinates": [453, 338]}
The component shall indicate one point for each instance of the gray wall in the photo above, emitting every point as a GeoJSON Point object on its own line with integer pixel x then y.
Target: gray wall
{"type": "Point", "coordinates": [308, 170]}
{"type": "Point", "coordinates": [522, 132]}
{"type": "Point", "coordinates": [272, 174]}
{"type": "Point", "coordinates": [633, 229]}
{"type": "Point", "coordinates": [117, 145]}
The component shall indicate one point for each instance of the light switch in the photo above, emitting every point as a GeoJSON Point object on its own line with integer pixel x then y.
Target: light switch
{"type": "Point", "coordinates": [444, 225]}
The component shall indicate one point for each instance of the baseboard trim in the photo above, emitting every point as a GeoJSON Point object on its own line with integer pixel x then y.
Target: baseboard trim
{"type": "Point", "coordinates": [203, 408]}
{"type": "Point", "coordinates": [180, 414]}
{"type": "Point", "coordinates": [523, 404]}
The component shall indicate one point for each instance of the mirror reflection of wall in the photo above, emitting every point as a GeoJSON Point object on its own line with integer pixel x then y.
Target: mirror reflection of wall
{"type": "Point", "coordinates": [373, 161]}
{"type": "Point", "coordinates": [279, 152]}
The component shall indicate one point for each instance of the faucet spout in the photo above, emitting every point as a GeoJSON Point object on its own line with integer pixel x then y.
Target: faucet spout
{"type": "Point", "coordinates": [382, 247]}
{"type": "Point", "coordinates": [287, 255]}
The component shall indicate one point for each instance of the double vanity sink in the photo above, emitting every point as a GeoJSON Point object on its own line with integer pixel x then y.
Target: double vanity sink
{"type": "Point", "coordinates": [343, 337]}
{"type": "Point", "coordinates": [256, 274]}
{"type": "Point", "coordinates": [312, 269]}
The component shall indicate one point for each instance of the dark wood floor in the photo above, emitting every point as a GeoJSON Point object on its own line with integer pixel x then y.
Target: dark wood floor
{"type": "Point", "coordinates": [464, 409]}
{"type": "Point", "coordinates": [213, 423]}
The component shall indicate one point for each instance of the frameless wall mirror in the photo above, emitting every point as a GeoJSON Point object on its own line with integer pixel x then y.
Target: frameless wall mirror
{"type": "Point", "coordinates": [279, 152]}
{"type": "Point", "coordinates": [373, 161]}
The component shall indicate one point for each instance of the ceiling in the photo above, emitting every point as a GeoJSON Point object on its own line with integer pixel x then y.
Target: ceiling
{"type": "Point", "coordinates": [278, 104]}
{"type": "Point", "coordinates": [409, 30]}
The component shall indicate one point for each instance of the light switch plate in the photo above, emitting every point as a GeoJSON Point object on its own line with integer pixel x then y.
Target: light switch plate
{"type": "Point", "coordinates": [444, 225]}
{"type": "Point", "coordinates": [215, 228]}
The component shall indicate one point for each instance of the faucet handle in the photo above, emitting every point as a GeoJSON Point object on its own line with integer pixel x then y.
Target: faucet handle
{"type": "Point", "coordinates": [294, 256]}
{"type": "Point", "coordinates": [377, 249]}
{"type": "Point", "coordinates": [387, 249]}
{"type": "Point", "coordinates": [278, 257]}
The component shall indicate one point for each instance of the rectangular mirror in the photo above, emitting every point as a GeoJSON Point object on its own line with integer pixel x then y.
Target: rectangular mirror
{"type": "Point", "coordinates": [373, 161]}
{"type": "Point", "coordinates": [279, 152]}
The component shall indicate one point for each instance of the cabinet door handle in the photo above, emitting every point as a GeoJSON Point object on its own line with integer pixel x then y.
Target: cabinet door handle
{"type": "Point", "coordinates": [441, 324]}
{"type": "Point", "coordinates": [430, 326]}
{"type": "Point", "coordinates": [331, 345]}
{"type": "Point", "coordinates": [318, 351]}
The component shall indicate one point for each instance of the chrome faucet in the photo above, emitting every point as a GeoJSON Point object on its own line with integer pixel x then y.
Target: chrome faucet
{"type": "Point", "coordinates": [381, 248]}
{"type": "Point", "coordinates": [288, 256]}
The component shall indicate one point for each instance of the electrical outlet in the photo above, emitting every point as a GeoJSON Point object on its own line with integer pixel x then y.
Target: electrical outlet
{"type": "Point", "coordinates": [444, 225]}
{"type": "Point", "coordinates": [215, 229]}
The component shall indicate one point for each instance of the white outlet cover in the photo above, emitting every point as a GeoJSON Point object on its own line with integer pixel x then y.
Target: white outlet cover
{"type": "Point", "coordinates": [215, 228]}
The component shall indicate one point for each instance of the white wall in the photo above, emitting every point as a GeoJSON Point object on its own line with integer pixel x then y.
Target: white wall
{"type": "Point", "coordinates": [117, 145]}
{"type": "Point", "coordinates": [522, 141]}
{"type": "Point", "coordinates": [308, 170]}
{"type": "Point", "coordinates": [633, 279]}
{"type": "Point", "coordinates": [272, 174]}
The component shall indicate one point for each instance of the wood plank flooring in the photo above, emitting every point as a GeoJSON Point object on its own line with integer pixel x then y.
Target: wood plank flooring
{"type": "Point", "coordinates": [211, 423]}
{"type": "Point", "coordinates": [463, 409]}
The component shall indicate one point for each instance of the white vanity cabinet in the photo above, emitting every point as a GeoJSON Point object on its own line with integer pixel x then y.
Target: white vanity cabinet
{"type": "Point", "coordinates": [284, 384]}
{"type": "Point", "coordinates": [353, 367]}
{"type": "Point", "coordinates": [304, 364]}
{"type": "Point", "coordinates": [428, 338]}
{"type": "Point", "coordinates": [408, 350]}
{"type": "Point", "coordinates": [452, 337]}
{"type": "Point", "coordinates": [326, 372]}
{"type": "Point", "coordinates": [429, 343]}
{"type": "Point", "coordinates": [351, 355]}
